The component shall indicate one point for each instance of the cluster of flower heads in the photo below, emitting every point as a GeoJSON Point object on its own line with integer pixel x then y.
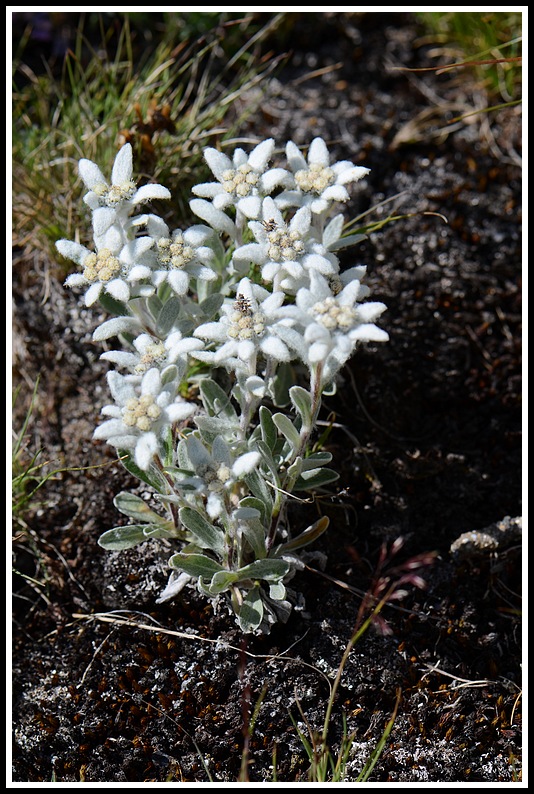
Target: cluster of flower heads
{"type": "Point", "coordinates": [263, 260]}
{"type": "Point", "coordinates": [255, 288]}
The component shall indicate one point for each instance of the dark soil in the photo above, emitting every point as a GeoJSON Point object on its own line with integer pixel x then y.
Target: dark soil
{"type": "Point", "coordinates": [426, 435]}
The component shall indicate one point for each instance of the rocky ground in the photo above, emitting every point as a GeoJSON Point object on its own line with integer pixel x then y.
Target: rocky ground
{"type": "Point", "coordinates": [111, 687]}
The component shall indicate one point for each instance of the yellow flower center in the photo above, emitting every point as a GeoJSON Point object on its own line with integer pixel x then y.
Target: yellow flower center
{"type": "Point", "coordinates": [333, 316]}
{"type": "Point", "coordinates": [141, 412]}
{"type": "Point", "coordinates": [102, 266]}
{"type": "Point", "coordinates": [284, 246]}
{"type": "Point", "coordinates": [315, 179]}
{"type": "Point", "coordinates": [174, 252]}
{"type": "Point", "coordinates": [244, 322]}
{"type": "Point", "coordinates": [241, 181]}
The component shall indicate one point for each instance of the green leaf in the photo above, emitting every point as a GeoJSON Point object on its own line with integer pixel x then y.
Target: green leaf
{"type": "Point", "coordinates": [182, 457]}
{"type": "Point", "coordinates": [302, 402]}
{"type": "Point", "coordinates": [216, 401]}
{"type": "Point", "coordinates": [268, 428]}
{"type": "Point", "coordinates": [316, 460]}
{"type": "Point", "coordinates": [256, 482]}
{"type": "Point", "coordinates": [277, 591]}
{"type": "Point", "coordinates": [268, 569]}
{"type": "Point", "coordinates": [211, 305]}
{"type": "Point", "coordinates": [152, 476]}
{"type": "Point", "coordinates": [288, 429]}
{"type": "Point", "coordinates": [210, 427]}
{"type": "Point", "coordinates": [254, 533]}
{"type": "Point", "coordinates": [350, 239]}
{"type": "Point", "coordinates": [154, 305]}
{"type": "Point", "coordinates": [308, 536]}
{"type": "Point", "coordinates": [284, 379]}
{"type": "Point", "coordinates": [113, 306]}
{"type": "Point", "coordinates": [221, 581]}
{"type": "Point", "coordinates": [251, 611]}
{"type": "Point", "coordinates": [315, 478]}
{"type": "Point", "coordinates": [206, 535]}
{"type": "Point", "coordinates": [294, 471]}
{"type": "Point", "coordinates": [121, 538]}
{"type": "Point", "coordinates": [136, 508]}
{"type": "Point", "coordinates": [196, 565]}
{"type": "Point", "coordinates": [257, 504]}
{"type": "Point", "coordinates": [268, 460]}
{"type": "Point", "coordinates": [168, 316]}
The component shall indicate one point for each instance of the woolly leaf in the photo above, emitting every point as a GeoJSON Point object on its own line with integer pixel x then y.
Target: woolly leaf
{"type": "Point", "coordinates": [302, 402]}
{"type": "Point", "coordinates": [196, 565]}
{"type": "Point", "coordinates": [251, 611]}
{"type": "Point", "coordinates": [308, 536]}
{"type": "Point", "coordinates": [136, 508]}
{"type": "Point", "coordinates": [121, 538]}
{"type": "Point", "coordinates": [206, 535]}
{"type": "Point", "coordinates": [315, 478]}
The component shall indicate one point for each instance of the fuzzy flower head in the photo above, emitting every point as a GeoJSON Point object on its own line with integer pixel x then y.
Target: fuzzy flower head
{"type": "Point", "coordinates": [182, 255]}
{"type": "Point", "coordinates": [142, 415]}
{"type": "Point", "coordinates": [150, 352]}
{"type": "Point", "coordinates": [121, 191]}
{"type": "Point", "coordinates": [112, 270]}
{"type": "Point", "coordinates": [242, 180]}
{"type": "Point", "coordinates": [252, 323]}
{"type": "Point", "coordinates": [215, 472]}
{"type": "Point", "coordinates": [333, 322]}
{"type": "Point", "coordinates": [286, 252]}
{"type": "Point", "coordinates": [317, 181]}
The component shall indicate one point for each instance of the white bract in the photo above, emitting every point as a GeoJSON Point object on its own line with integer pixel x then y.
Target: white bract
{"type": "Point", "coordinates": [142, 415]}
{"type": "Point", "coordinates": [121, 192]}
{"type": "Point", "coordinates": [227, 333]}
{"type": "Point", "coordinates": [334, 321]}
{"type": "Point", "coordinates": [254, 322]}
{"type": "Point", "coordinates": [242, 180]}
{"type": "Point", "coordinates": [181, 255]}
{"type": "Point", "coordinates": [286, 252]}
{"type": "Point", "coordinates": [114, 271]}
{"type": "Point", "coordinates": [216, 472]}
{"type": "Point", "coordinates": [152, 352]}
{"type": "Point", "coordinates": [316, 181]}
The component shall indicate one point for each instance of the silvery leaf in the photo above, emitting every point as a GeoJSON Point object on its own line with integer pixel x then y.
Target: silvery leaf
{"type": "Point", "coordinates": [251, 611]}
{"type": "Point", "coordinates": [206, 535]}
{"type": "Point", "coordinates": [195, 564]}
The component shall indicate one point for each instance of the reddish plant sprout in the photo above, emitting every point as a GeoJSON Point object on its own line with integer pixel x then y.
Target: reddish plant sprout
{"type": "Point", "coordinates": [390, 583]}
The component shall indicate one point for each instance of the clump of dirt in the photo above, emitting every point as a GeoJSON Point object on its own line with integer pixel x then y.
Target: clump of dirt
{"type": "Point", "coordinates": [425, 431]}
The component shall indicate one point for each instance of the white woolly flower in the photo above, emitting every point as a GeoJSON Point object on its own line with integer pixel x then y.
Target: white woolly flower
{"type": "Point", "coordinates": [142, 414]}
{"type": "Point", "coordinates": [181, 256]}
{"type": "Point", "coordinates": [121, 191]}
{"type": "Point", "coordinates": [285, 252]}
{"type": "Point", "coordinates": [242, 180]}
{"type": "Point", "coordinates": [151, 352]}
{"type": "Point", "coordinates": [334, 322]}
{"type": "Point", "coordinates": [254, 322]}
{"type": "Point", "coordinates": [317, 182]}
{"type": "Point", "coordinates": [214, 473]}
{"type": "Point", "coordinates": [110, 270]}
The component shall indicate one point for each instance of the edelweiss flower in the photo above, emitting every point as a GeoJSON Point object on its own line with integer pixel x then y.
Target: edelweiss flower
{"type": "Point", "coordinates": [285, 252]}
{"type": "Point", "coordinates": [143, 414]}
{"type": "Point", "coordinates": [181, 255]}
{"type": "Point", "coordinates": [111, 270]}
{"type": "Point", "coordinates": [316, 181]}
{"type": "Point", "coordinates": [152, 352]}
{"type": "Point", "coordinates": [215, 472]}
{"type": "Point", "coordinates": [334, 322]}
{"type": "Point", "coordinates": [122, 190]}
{"type": "Point", "coordinates": [251, 323]}
{"type": "Point", "coordinates": [242, 181]}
